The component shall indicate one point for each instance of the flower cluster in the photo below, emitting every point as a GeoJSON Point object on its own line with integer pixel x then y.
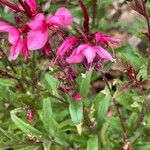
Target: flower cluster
{"type": "Point", "coordinates": [35, 33]}
{"type": "Point", "coordinates": [86, 48]}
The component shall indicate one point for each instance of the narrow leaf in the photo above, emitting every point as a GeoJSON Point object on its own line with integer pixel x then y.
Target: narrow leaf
{"type": "Point", "coordinates": [7, 82]}
{"type": "Point", "coordinates": [92, 143]}
{"type": "Point", "coordinates": [25, 127]}
{"type": "Point", "coordinates": [102, 110]}
{"type": "Point", "coordinates": [76, 111]}
{"type": "Point", "coordinates": [51, 84]}
{"type": "Point", "coordinates": [48, 119]}
{"type": "Point", "coordinates": [85, 84]}
{"type": "Point", "coordinates": [115, 123]}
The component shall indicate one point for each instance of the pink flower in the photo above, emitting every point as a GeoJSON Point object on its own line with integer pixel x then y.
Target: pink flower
{"type": "Point", "coordinates": [32, 5]}
{"type": "Point", "coordinates": [38, 35]}
{"type": "Point", "coordinates": [65, 46]}
{"type": "Point", "coordinates": [103, 38]}
{"type": "Point", "coordinates": [14, 38]}
{"type": "Point", "coordinates": [62, 17]}
{"type": "Point", "coordinates": [89, 52]}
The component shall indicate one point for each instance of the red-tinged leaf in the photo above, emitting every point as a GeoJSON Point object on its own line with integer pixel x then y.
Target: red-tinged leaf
{"type": "Point", "coordinates": [124, 88]}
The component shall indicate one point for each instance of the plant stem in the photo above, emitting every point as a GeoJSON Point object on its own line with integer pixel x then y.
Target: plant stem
{"type": "Point", "coordinates": [59, 99]}
{"type": "Point", "coordinates": [125, 141]}
{"type": "Point", "coordinates": [14, 71]}
{"type": "Point", "coordinates": [88, 121]}
{"type": "Point", "coordinates": [148, 27]}
{"type": "Point", "coordinates": [94, 9]}
{"type": "Point", "coordinates": [10, 5]}
{"type": "Point", "coordinates": [85, 16]}
{"type": "Point", "coordinates": [5, 73]}
{"type": "Point", "coordinates": [8, 62]}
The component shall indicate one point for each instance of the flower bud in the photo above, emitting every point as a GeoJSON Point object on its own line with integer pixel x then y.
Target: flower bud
{"type": "Point", "coordinates": [76, 97]}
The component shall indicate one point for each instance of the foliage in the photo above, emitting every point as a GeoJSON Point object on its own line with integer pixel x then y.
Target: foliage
{"type": "Point", "coordinates": [38, 109]}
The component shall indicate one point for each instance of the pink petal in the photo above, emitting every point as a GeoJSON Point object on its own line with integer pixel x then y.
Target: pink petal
{"type": "Point", "coordinates": [36, 39]}
{"type": "Point", "coordinates": [25, 50]}
{"type": "Point", "coordinates": [32, 4]}
{"type": "Point", "coordinates": [13, 32]}
{"type": "Point", "coordinates": [16, 50]}
{"type": "Point", "coordinates": [89, 53]}
{"type": "Point", "coordinates": [103, 53]}
{"type": "Point", "coordinates": [81, 51]}
{"type": "Point", "coordinates": [62, 17]}
{"type": "Point", "coordinates": [100, 37]}
{"type": "Point", "coordinates": [38, 22]}
{"type": "Point", "coordinates": [65, 46]}
{"type": "Point", "coordinates": [113, 40]}
{"type": "Point", "coordinates": [75, 58]}
{"type": "Point", "coordinates": [81, 48]}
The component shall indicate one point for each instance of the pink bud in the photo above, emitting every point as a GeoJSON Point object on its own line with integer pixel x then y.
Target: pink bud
{"type": "Point", "coordinates": [30, 115]}
{"type": "Point", "coordinates": [77, 97]}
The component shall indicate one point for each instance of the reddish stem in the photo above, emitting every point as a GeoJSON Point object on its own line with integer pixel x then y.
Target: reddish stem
{"type": "Point", "coordinates": [86, 16]}
{"type": "Point", "coordinates": [10, 5]}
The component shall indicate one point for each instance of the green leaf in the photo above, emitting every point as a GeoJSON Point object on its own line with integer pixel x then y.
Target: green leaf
{"type": "Point", "coordinates": [132, 58]}
{"type": "Point", "coordinates": [25, 127]}
{"type": "Point", "coordinates": [102, 110]}
{"type": "Point", "coordinates": [51, 84]}
{"type": "Point", "coordinates": [61, 138]}
{"type": "Point", "coordinates": [143, 146]}
{"type": "Point", "coordinates": [47, 145]}
{"type": "Point", "coordinates": [7, 82]}
{"type": "Point", "coordinates": [20, 147]}
{"type": "Point", "coordinates": [126, 100]}
{"type": "Point", "coordinates": [48, 119]}
{"type": "Point", "coordinates": [115, 123]}
{"type": "Point", "coordinates": [92, 143]}
{"type": "Point", "coordinates": [30, 147]}
{"type": "Point", "coordinates": [76, 111]}
{"type": "Point", "coordinates": [85, 84]}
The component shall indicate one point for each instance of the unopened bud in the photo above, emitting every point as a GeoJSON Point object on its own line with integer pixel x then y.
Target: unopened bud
{"type": "Point", "coordinates": [77, 97]}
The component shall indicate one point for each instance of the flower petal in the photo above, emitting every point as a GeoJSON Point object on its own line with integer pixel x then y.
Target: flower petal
{"type": "Point", "coordinates": [89, 53]}
{"type": "Point", "coordinates": [38, 22]}
{"type": "Point", "coordinates": [81, 48]}
{"type": "Point", "coordinates": [36, 39]}
{"type": "Point", "coordinates": [62, 17]}
{"type": "Point", "coordinates": [103, 53]}
{"type": "Point", "coordinates": [13, 32]}
{"type": "Point", "coordinates": [32, 4]}
{"type": "Point", "coordinates": [16, 49]}
{"type": "Point", "coordinates": [75, 58]}
{"type": "Point", "coordinates": [100, 37]}
{"type": "Point", "coordinates": [65, 46]}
